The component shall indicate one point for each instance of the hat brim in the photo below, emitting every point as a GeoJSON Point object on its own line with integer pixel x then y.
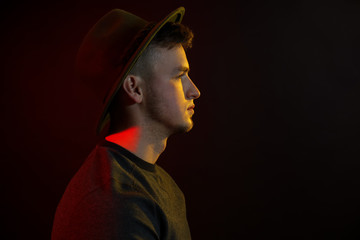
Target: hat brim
{"type": "Point", "coordinates": [175, 17]}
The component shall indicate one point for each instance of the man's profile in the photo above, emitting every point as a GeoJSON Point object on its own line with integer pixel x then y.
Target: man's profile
{"type": "Point", "coordinates": [140, 71]}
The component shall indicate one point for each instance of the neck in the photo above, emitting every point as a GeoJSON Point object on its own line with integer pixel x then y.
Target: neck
{"type": "Point", "coordinates": [140, 141]}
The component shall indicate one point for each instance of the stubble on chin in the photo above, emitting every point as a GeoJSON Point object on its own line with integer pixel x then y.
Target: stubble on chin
{"type": "Point", "coordinates": [186, 127]}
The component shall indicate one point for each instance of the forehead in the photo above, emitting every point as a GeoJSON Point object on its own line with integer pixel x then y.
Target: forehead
{"type": "Point", "coordinates": [169, 60]}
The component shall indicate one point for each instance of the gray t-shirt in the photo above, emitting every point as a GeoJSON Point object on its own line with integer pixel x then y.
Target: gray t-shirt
{"type": "Point", "coordinates": [116, 195]}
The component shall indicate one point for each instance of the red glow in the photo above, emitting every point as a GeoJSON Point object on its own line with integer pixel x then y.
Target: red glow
{"type": "Point", "coordinates": [128, 138]}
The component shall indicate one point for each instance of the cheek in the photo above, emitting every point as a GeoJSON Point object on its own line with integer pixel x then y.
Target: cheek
{"type": "Point", "coordinates": [170, 96]}
{"type": "Point", "coordinates": [177, 95]}
{"type": "Point", "coordinates": [172, 101]}
{"type": "Point", "coordinates": [178, 91]}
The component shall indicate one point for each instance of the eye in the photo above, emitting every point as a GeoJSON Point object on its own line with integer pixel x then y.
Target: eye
{"type": "Point", "coordinates": [181, 75]}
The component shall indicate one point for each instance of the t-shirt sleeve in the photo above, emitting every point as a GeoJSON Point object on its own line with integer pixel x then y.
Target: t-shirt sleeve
{"type": "Point", "coordinates": [128, 215]}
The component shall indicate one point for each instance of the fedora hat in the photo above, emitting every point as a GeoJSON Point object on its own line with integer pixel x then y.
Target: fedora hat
{"type": "Point", "coordinates": [109, 51]}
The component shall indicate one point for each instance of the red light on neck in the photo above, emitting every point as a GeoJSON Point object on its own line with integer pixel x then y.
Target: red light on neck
{"type": "Point", "coordinates": [128, 138]}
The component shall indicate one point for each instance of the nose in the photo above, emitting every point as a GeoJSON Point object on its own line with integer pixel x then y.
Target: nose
{"type": "Point", "coordinates": [193, 92]}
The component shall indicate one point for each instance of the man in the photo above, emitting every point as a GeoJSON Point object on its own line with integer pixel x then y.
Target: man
{"type": "Point", "coordinates": [141, 72]}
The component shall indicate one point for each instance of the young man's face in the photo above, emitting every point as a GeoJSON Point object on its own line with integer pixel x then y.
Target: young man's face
{"type": "Point", "coordinates": [170, 91]}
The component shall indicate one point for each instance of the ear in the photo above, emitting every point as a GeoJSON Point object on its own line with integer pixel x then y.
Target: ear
{"type": "Point", "coordinates": [132, 86]}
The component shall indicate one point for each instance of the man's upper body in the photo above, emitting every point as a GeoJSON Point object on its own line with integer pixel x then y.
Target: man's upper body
{"type": "Point", "coordinates": [116, 195]}
{"type": "Point", "coordinates": [120, 192]}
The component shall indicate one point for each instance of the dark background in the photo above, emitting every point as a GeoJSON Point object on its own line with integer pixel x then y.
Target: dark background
{"type": "Point", "coordinates": [275, 149]}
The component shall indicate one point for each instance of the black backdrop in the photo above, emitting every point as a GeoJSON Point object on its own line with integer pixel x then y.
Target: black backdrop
{"type": "Point", "coordinates": [275, 149]}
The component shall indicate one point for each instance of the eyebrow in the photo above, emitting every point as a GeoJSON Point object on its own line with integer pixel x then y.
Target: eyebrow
{"type": "Point", "coordinates": [182, 69]}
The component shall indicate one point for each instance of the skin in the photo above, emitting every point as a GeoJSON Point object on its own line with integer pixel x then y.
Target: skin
{"type": "Point", "coordinates": [156, 108]}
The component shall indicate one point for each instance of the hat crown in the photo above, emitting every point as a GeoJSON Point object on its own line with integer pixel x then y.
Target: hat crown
{"type": "Point", "coordinates": [100, 54]}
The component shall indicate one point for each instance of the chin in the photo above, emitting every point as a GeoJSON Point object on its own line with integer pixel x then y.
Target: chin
{"type": "Point", "coordinates": [184, 128]}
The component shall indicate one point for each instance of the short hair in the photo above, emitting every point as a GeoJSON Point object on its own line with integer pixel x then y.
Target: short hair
{"type": "Point", "coordinates": [173, 33]}
{"type": "Point", "coordinates": [169, 36]}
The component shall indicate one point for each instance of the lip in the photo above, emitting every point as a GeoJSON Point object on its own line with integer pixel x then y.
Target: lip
{"type": "Point", "coordinates": [191, 107]}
